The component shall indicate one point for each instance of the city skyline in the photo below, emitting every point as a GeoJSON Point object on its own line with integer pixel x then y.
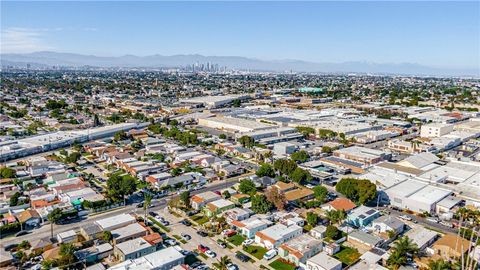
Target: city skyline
{"type": "Point", "coordinates": [439, 34]}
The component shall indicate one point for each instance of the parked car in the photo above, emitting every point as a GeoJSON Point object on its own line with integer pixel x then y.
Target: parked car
{"type": "Point", "coordinates": [229, 233]}
{"type": "Point", "coordinates": [192, 213]}
{"type": "Point", "coordinates": [242, 257]}
{"type": "Point", "coordinates": [186, 222]}
{"type": "Point", "coordinates": [247, 242]}
{"type": "Point", "coordinates": [202, 233]}
{"type": "Point", "coordinates": [153, 214]}
{"type": "Point", "coordinates": [270, 254]}
{"type": "Point", "coordinates": [404, 217]}
{"type": "Point", "coordinates": [202, 248]}
{"type": "Point", "coordinates": [186, 237]}
{"type": "Point", "coordinates": [221, 243]}
{"type": "Point", "coordinates": [10, 247]}
{"type": "Point", "coordinates": [432, 219]}
{"type": "Point", "coordinates": [171, 242]}
{"type": "Point", "coordinates": [449, 225]}
{"type": "Point", "coordinates": [20, 233]}
{"type": "Point", "coordinates": [210, 254]}
{"type": "Point", "coordinates": [140, 205]}
{"type": "Point", "coordinates": [164, 222]}
{"type": "Point", "coordinates": [232, 266]}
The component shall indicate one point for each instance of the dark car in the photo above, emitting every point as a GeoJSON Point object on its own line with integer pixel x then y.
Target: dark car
{"type": "Point", "coordinates": [202, 233]}
{"type": "Point", "coordinates": [221, 243]}
{"type": "Point", "coordinates": [242, 257]}
{"type": "Point", "coordinates": [186, 222]}
{"type": "Point", "coordinates": [140, 205]}
{"type": "Point", "coordinates": [193, 212]}
{"type": "Point", "coordinates": [20, 233]}
{"type": "Point", "coordinates": [10, 247]}
{"type": "Point", "coordinates": [153, 214]}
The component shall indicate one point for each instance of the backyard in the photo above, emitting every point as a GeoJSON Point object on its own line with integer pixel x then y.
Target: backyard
{"type": "Point", "coordinates": [280, 265]}
{"type": "Point", "coordinates": [347, 255]}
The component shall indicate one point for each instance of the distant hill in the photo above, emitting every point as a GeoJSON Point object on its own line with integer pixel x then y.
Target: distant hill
{"type": "Point", "coordinates": [39, 59]}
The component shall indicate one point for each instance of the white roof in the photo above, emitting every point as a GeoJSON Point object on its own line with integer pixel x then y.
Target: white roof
{"type": "Point", "coordinates": [151, 261]}
{"type": "Point", "coordinates": [67, 234]}
{"type": "Point", "coordinates": [133, 245]}
{"type": "Point", "coordinates": [420, 160]}
{"type": "Point", "coordinates": [324, 260]}
{"type": "Point", "coordinates": [430, 194]}
{"type": "Point", "coordinates": [115, 221]}
{"type": "Point", "coordinates": [278, 231]}
{"type": "Point", "coordinates": [421, 235]}
{"type": "Point", "coordinates": [128, 230]}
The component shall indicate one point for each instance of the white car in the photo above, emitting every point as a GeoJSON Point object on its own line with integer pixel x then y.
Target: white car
{"type": "Point", "coordinates": [210, 254]}
{"type": "Point", "coordinates": [404, 217]}
{"type": "Point", "coordinates": [232, 266]}
{"type": "Point", "coordinates": [270, 254]}
{"type": "Point", "coordinates": [171, 242]}
{"type": "Point", "coordinates": [247, 242]}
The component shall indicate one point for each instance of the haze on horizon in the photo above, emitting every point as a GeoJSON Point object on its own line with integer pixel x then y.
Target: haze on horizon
{"type": "Point", "coordinates": [436, 34]}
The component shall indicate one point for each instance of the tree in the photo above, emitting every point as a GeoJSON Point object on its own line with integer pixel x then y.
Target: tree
{"type": "Point", "coordinates": [146, 204]}
{"type": "Point", "coordinates": [401, 249]}
{"type": "Point", "coordinates": [276, 197]}
{"type": "Point", "coordinates": [306, 131]}
{"type": "Point", "coordinates": [226, 194]}
{"type": "Point", "coordinates": [176, 171]}
{"type": "Point", "coordinates": [335, 216]}
{"type": "Point", "coordinates": [300, 175]}
{"type": "Point", "coordinates": [120, 136]}
{"type": "Point", "coordinates": [358, 190]}
{"type": "Point", "coordinates": [312, 218]}
{"type": "Point", "coordinates": [285, 166]}
{"type": "Point", "coordinates": [119, 186]}
{"type": "Point", "coordinates": [439, 265]}
{"type": "Point", "coordinates": [73, 157]}
{"type": "Point", "coordinates": [265, 170]}
{"type": "Point", "coordinates": [185, 197]}
{"type": "Point", "coordinates": [236, 103]}
{"type": "Point", "coordinates": [222, 136]}
{"type": "Point", "coordinates": [247, 186]}
{"type": "Point", "coordinates": [327, 149]}
{"type": "Point", "coordinates": [14, 199]}
{"type": "Point", "coordinates": [67, 256]}
{"type": "Point", "coordinates": [300, 156]}
{"type": "Point", "coordinates": [107, 236]}
{"type": "Point", "coordinates": [320, 193]}
{"type": "Point", "coordinates": [54, 217]}
{"type": "Point", "coordinates": [6, 172]}
{"type": "Point", "coordinates": [261, 205]}
{"type": "Point", "coordinates": [333, 232]}
{"type": "Point", "coordinates": [223, 263]}
{"type": "Point", "coordinates": [246, 141]}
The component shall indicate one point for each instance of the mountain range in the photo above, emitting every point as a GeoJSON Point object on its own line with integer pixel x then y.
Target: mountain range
{"type": "Point", "coordinates": [46, 59]}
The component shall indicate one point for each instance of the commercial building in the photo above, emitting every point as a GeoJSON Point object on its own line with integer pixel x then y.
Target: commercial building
{"type": "Point", "coordinates": [115, 222]}
{"type": "Point", "coordinates": [232, 124]}
{"type": "Point", "coordinates": [365, 156]}
{"type": "Point", "coordinates": [164, 259]}
{"type": "Point", "coordinates": [435, 130]}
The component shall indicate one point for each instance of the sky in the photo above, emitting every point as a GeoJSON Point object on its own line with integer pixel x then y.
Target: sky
{"type": "Point", "coordinates": [436, 34]}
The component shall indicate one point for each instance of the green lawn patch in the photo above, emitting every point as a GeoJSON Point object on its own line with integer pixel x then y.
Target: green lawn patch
{"type": "Point", "coordinates": [203, 256]}
{"type": "Point", "coordinates": [166, 229]}
{"type": "Point", "coordinates": [177, 237]}
{"type": "Point", "coordinates": [183, 241]}
{"type": "Point", "coordinates": [347, 255]}
{"type": "Point", "coordinates": [280, 265]}
{"type": "Point", "coordinates": [237, 239]}
{"type": "Point", "coordinates": [199, 219]}
{"type": "Point", "coordinates": [255, 251]}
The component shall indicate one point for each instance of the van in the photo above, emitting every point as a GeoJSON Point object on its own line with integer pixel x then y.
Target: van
{"type": "Point", "coordinates": [432, 219]}
{"type": "Point", "coordinates": [270, 254]}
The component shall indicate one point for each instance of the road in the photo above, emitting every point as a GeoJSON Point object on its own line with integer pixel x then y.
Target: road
{"type": "Point", "coordinates": [44, 231]}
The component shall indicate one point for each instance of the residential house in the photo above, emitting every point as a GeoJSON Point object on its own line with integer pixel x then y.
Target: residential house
{"type": "Point", "coordinates": [94, 253]}
{"type": "Point", "coordinates": [274, 236]}
{"type": "Point", "coordinates": [422, 237]}
{"type": "Point", "coordinates": [128, 232]}
{"type": "Point", "coordinates": [67, 237]}
{"type": "Point", "coordinates": [41, 245]}
{"type": "Point", "coordinates": [362, 216]}
{"type": "Point", "coordinates": [217, 207]}
{"type": "Point", "coordinates": [318, 232]}
{"type": "Point", "coordinates": [301, 194]}
{"type": "Point", "coordinates": [91, 231]}
{"type": "Point", "coordinates": [198, 201]}
{"type": "Point", "coordinates": [238, 214]}
{"type": "Point", "coordinates": [133, 249]}
{"type": "Point", "coordinates": [322, 261]}
{"type": "Point", "coordinates": [299, 249]}
{"type": "Point", "coordinates": [387, 223]}
{"type": "Point", "coordinates": [29, 218]}
{"type": "Point", "coordinates": [449, 246]}
{"type": "Point", "coordinates": [339, 204]}
{"type": "Point", "coordinates": [249, 227]}
{"type": "Point", "coordinates": [364, 239]}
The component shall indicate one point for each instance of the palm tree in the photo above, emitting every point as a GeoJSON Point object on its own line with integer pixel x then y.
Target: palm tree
{"type": "Point", "coordinates": [67, 256]}
{"type": "Point", "coordinates": [396, 260]}
{"type": "Point", "coordinates": [223, 263]}
{"type": "Point", "coordinates": [107, 236]}
{"type": "Point", "coordinates": [54, 217]}
{"type": "Point", "coordinates": [335, 216]}
{"type": "Point", "coordinates": [439, 265]}
{"type": "Point", "coordinates": [146, 204]}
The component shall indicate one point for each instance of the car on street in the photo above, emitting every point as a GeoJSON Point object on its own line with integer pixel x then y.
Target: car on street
{"type": "Point", "coordinates": [202, 248]}
{"type": "Point", "coordinates": [432, 219]}
{"type": "Point", "coordinates": [170, 242]}
{"type": "Point", "coordinates": [242, 257]}
{"type": "Point", "coordinates": [10, 247]}
{"type": "Point", "coordinates": [270, 254]}
{"type": "Point", "coordinates": [186, 222]}
{"type": "Point", "coordinates": [202, 233]}
{"type": "Point", "coordinates": [229, 233]}
{"type": "Point", "coordinates": [232, 266]}
{"type": "Point", "coordinates": [404, 217]}
{"type": "Point", "coordinates": [153, 214]}
{"type": "Point", "coordinates": [210, 254]}
{"type": "Point", "coordinates": [186, 237]}
{"type": "Point", "coordinates": [20, 233]}
{"type": "Point", "coordinates": [247, 242]}
{"type": "Point", "coordinates": [221, 243]}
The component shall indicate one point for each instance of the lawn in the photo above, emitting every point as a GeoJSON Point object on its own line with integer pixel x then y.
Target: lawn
{"type": "Point", "coordinates": [347, 255]}
{"type": "Point", "coordinates": [237, 239]}
{"type": "Point", "coordinates": [200, 219]}
{"type": "Point", "coordinates": [255, 251]}
{"type": "Point", "coordinates": [279, 265]}
{"type": "Point", "coordinates": [166, 229]}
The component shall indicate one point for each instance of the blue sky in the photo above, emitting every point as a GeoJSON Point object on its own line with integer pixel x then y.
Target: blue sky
{"type": "Point", "coordinates": [440, 34]}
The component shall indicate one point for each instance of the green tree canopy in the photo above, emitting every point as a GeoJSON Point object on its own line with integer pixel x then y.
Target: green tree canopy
{"type": "Point", "coordinates": [300, 156]}
{"type": "Point", "coordinates": [119, 186]}
{"type": "Point", "coordinates": [358, 190]}
{"type": "Point", "coordinates": [285, 166]}
{"type": "Point", "coordinates": [265, 170]}
{"type": "Point", "coordinates": [6, 172]}
{"type": "Point", "coordinates": [333, 232]}
{"type": "Point", "coordinates": [312, 218]}
{"type": "Point", "coordinates": [261, 205]}
{"type": "Point", "coordinates": [300, 175]}
{"type": "Point", "coordinates": [320, 193]}
{"type": "Point", "coordinates": [246, 141]}
{"type": "Point", "coordinates": [247, 186]}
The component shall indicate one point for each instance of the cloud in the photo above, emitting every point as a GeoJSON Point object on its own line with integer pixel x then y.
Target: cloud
{"type": "Point", "coordinates": [23, 40]}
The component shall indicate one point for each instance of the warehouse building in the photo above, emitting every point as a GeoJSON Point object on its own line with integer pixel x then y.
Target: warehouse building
{"type": "Point", "coordinates": [232, 124]}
